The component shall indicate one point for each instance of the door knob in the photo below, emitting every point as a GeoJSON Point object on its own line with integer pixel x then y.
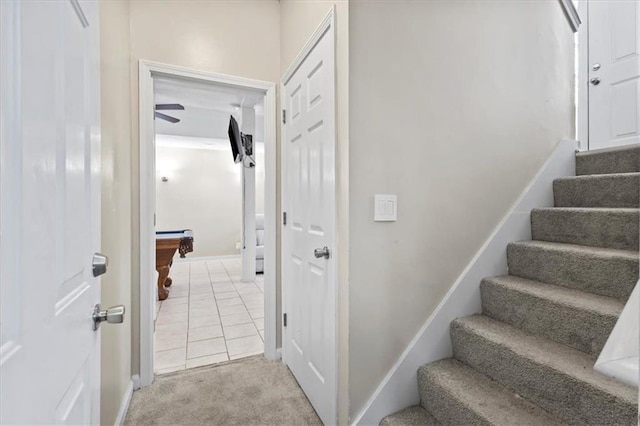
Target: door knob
{"type": "Point", "coordinates": [595, 81]}
{"type": "Point", "coordinates": [322, 252]}
{"type": "Point", "coordinates": [99, 264]}
{"type": "Point", "coordinates": [113, 315]}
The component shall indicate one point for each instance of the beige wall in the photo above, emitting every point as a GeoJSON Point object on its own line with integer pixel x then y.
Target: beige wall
{"type": "Point", "coordinates": [116, 202]}
{"type": "Point", "coordinates": [298, 20]}
{"type": "Point", "coordinates": [203, 35]}
{"type": "Point", "coordinates": [204, 193]}
{"type": "Point", "coordinates": [453, 106]}
{"type": "Point", "coordinates": [474, 91]}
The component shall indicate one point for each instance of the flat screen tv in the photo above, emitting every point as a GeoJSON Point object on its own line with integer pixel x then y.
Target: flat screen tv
{"type": "Point", "coordinates": [236, 140]}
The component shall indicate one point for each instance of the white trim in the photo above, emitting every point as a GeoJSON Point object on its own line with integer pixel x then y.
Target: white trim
{"type": "Point", "coordinates": [147, 71]}
{"type": "Point", "coordinates": [399, 387]}
{"type": "Point", "coordinates": [206, 258]}
{"type": "Point", "coordinates": [124, 405]}
{"type": "Point", "coordinates": [283, 209]}
{"type": "Point", "coordinates": [327, 24]}
{"type": "Point", "coordinates": [145, 221]}
{"type": "Point", "coordinates": [583, 77]}
{"type": "Point", "coordinates": [270, 226]}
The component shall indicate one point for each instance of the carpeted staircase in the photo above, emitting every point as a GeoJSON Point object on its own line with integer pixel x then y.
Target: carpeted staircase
{"type": "Point", "coordinates": [528, 358]}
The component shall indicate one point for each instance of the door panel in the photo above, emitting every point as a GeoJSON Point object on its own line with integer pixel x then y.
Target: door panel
{"type": "Point", "coordinates": [614, 45]}
{"type": "Point", "coordinates": [309, 282]}
{"type": "Point", "coordinates": [49, 210]}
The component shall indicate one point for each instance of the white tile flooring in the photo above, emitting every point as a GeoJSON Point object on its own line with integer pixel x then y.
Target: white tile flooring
{"type": "Point", "coordinates": [210, 316]}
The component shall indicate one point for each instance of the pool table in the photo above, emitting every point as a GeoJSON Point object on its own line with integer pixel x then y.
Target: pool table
{"type": "Point", "coordinates": [167, 242]}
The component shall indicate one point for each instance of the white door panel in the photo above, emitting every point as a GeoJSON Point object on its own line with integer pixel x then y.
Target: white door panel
{"type": "Point", "coordinates": [310, 283]}
{"type": "Point", "coordinates": [614, 44]}
{"type": "Point", "coordinates": [49, 205]}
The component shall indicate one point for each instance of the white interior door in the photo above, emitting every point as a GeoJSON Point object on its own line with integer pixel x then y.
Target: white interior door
{"type": "Point", "coordinates": [614, 73]}
{"type": "Point", "coordinates": [309, 137]}
{"type": "Point", "coordinates": [49, 208]}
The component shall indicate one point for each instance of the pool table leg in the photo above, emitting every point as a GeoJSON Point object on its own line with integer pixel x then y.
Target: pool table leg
{"type": "Point", "coordinates": [163, 274]}
{"type": "Point", "coordinates": [169, 281]}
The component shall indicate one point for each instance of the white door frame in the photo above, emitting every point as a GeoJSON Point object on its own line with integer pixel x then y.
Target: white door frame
{"type": "Point", "coordinates": [327, 24]}
{"type": "Point", "coordinates": [147, 71]}
{"type": "Point", "coordinates": [583, 77]}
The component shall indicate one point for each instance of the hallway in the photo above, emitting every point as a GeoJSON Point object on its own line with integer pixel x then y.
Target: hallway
{"type": "Point", "coordinates": [249, 391]}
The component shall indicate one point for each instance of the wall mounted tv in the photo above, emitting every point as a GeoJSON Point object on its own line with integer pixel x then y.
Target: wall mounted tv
{"type": "Point", "coordinates": [235, 138]}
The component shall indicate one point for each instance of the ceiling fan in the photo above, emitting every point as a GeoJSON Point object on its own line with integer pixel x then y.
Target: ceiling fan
{"type": "Point", "coordinates": [167, 107]}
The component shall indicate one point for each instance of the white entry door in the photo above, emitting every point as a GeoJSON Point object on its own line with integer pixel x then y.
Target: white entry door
{"type": "Point", "coordinates": [614, 73]}
{"type": "Point", "coordinates": [49, 209]}
{"type": "Point", "coordinates": [309, 282]}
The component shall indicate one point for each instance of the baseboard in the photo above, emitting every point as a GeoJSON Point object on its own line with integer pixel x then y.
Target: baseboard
{"type": "Point", "coordinates": [206, 258]}
{"type": "Point", "coordinates": [399, 388]}
{"type": "Point", "coordinates": [124, 405]}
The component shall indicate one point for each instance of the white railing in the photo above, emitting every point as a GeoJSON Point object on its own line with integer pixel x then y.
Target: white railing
{"type": "Point", "coordinates": [619, 357]}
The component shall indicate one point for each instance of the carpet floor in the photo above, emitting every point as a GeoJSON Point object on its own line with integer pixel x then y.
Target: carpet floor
{"type": "Point", "coordinates": [249, 391]}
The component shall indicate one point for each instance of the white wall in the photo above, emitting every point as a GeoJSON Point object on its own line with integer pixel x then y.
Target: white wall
{"type": "Point", "coordinates": [453, 107]}
{"type": "Point", "coordinates": [201, 35]}
{"type": "Point", "coordinates": [204, 193]}
{"type": "Point", "coordinates": [116, 202]}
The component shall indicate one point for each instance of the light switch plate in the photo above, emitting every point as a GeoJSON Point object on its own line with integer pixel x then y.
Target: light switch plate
{"type": "Point", "coordinates": [386, 208]}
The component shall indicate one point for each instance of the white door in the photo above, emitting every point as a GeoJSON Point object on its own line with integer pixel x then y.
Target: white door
{"type": "Point", "coordinates": [309, 137]}
{"type": "Point", "coordinates": [49, 209]}
{"type": "Point", "coordinates": [614, 73]}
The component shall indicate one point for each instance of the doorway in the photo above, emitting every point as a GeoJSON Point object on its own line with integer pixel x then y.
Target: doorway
{"type": "Point", "coordinates": [609, 74]}
{"type": "Point", "coordinates": [211, 308]}
{"type": "Point", "coordinates": [215, 309]}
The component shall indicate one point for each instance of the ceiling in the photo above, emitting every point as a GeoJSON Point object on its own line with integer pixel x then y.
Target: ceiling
{"type": "Point", "coordinates": [207, 108]}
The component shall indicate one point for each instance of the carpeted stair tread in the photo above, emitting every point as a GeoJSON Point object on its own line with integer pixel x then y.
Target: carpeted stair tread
{"type": "Point", "coordinates": [410, 416]}
{"type": "Point", "coordinates": [607, 272]}
{"type": "Point", "coordinates": [623, 159]}
{"type": "Point", "coordinates": [529, 358]}
{"type": "Point", "coordinates": [610, 190]}
{"type": "Point", "coordinates": [596, 227]}
{"type": "Point", "coordinates": [457, 395]}
{"type": "Point", "coordinates": [571, 317]}
{"type": "Point", "coordinates": [556, 377]}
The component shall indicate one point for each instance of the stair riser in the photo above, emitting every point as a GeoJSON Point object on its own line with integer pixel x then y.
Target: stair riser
{"type": "Point", "coordinates": [596, 228]}
{"type": "Point", "coordinates": [617, 161]}
{"type": "Point", "coordinates": [584, 330]}
{"type": "Point", "coordinates": [604, 275]}
{"type": "Point", "coordinates": [598, 191]}
{"type": "Point", "coordinates": [573, 401]}
{"type": "Point", "coordinates": [443, 405]}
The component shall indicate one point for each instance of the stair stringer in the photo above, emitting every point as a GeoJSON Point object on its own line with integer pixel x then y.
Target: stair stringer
{"type": "Point", "coordinates": [399, 388]}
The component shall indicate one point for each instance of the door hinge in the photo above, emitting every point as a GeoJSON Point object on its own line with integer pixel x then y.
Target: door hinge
{"type": "Point", "coordinates": [284, 320]}
{"type": "Point", "coordinates": [284, 116]}
{"type": "Point", "coordinates": [284, 218]}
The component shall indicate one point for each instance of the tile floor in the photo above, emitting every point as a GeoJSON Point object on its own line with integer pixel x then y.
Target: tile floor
{"type": "Point", "coordinates": [210, 316]}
